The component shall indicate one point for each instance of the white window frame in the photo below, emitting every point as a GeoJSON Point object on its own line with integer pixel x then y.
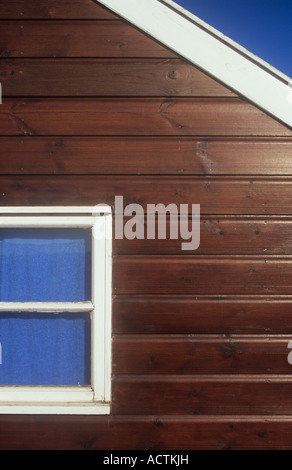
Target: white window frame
{"type": "Point", "coordinates": [93, 399]}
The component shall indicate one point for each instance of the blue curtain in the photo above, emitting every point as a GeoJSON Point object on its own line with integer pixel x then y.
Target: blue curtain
{"type": "Point", "coordinates": [45, 349]}
{"type": "Point", "coordinates": [45, 265]}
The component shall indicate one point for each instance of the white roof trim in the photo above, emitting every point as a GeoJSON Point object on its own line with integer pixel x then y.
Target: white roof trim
{"type": "Point", "coordinates": [220, 57]}
{"type": "Point", "coordinates": [228, 41]}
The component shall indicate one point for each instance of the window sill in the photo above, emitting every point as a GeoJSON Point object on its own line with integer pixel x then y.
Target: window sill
{"type": "Point", "coordinates": [51, 400]}
{"type": "Point", "coordinates": [55, 409]}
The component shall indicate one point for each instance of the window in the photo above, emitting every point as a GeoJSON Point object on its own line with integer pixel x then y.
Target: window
{"type": "Point", "coordinates": [55, 310]}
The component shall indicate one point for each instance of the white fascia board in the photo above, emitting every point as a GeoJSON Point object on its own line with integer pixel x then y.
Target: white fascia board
{"type": "Point", "coordinates": [227, 40]}
{"type": "Point", "coordinates": [192, 39]}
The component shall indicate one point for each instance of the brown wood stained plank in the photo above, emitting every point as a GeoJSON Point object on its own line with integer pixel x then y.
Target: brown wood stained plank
{"type": "Point", "coordinates": [200, 354]}
{"type": "Point", "coordinates": [135, 116]}
{"type": "Point", "coordinates": [202, 275]}
{"type": "Point", "coordinates": [191, 315]}
{"type": "Point", "coordinates": [224, 195]}
{"type": "Point", "coordinates": [222, 235]}
{"type": "Point", "coordinates": [148, 156]}
{"type": "Point", "coordinates": [204, 395]}
{"type": "Point", "coordinates": [76, 38]}
{"type": "Point", "coordinates": [105, 77]}
{"type": "Point", "coordinates": [243, 156]}
{"type": "Point", "coordinates": [46, 9]}
{"type": "Point", "coordinates": [146, 433]}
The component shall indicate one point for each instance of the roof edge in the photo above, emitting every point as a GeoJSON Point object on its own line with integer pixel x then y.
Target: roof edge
{"type": "Point", "coordinates": [229, 42]}
{"type": "Point", "coordinates": [222, 58]}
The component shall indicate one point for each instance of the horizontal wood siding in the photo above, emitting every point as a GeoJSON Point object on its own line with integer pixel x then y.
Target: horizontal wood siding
{"type": "Point", "coordinates": [199, 275]}
{"type": "Point", "coordinates": [200, 355]}
{"type": "Point", "coordinates": [53, 9]}
{"type": "Point", "coordinates": [60, 39]}
{"type": "Point", "coordinates": [219, 235]}
{"type": "Point", "coordinates": [144, 156]}
{"type": "Point", "coordinates": [92, 109]}
{"type": "Point", "coordinates": [207, 395]}
{"type": "Point", "coordinates": [136, 117]}
{"type": "Point", "coordinates": [147, 432]}
{"type": "Point", "coordinates": [158, 314]}
{"type": "Point", "coordinates": [241, 196]}
{"type": "Point", "coordinates": [104, 77]}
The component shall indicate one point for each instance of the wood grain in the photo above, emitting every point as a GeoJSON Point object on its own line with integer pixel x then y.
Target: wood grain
{"type": "Point", "coordinates": [202, 395]}
{"type": "Point", "coordinates": [76, 38]}
{"type": "Point", "coordinates": [200, 354]}
{"type": "Point", "coordinates": [152, 433]}
{"type": "Point", "coordinates": [202, 314]}
{"type": "Point", "coordinates": [47, 9]}
{"type": "Point", "coordinates": [103, 77]}
{"type": "Point", "coordinates": [135, 116]}
{"type": "Point", "coordinates": [146, 156]}
{"type": "Point", "coordinates": [217, 275]}
{"type": "Point", "coordinates": [216, 195]}
{"type": "Point", "coordinates": [219, 235]}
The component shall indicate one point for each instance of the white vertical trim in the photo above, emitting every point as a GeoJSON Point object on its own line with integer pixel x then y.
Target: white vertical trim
{"type": "Point", "coordinates": [218, 58]}
{"type": "Point", "coordinates": [98, 318]}
{"type": "Point", "coordinates": [108, 306]}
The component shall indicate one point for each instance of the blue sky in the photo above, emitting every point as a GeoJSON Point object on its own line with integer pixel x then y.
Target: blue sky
{"type": "Point", "coordinates": [264, 27]}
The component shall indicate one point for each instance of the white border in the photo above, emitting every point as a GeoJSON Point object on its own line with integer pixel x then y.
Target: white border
{"type": "Point", "coordinates": [70, 400]}
{"type": "Point", "coordinates": [205, 48]}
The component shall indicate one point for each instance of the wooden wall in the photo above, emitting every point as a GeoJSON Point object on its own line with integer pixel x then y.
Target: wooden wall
{"type": "Point", "coordinates": [91, 109]}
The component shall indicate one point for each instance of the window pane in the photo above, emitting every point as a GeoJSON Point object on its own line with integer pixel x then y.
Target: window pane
{"type": "Point", "coordinates": [43, 265]}
{"type": "Point", "coordinates": [45, 349]}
